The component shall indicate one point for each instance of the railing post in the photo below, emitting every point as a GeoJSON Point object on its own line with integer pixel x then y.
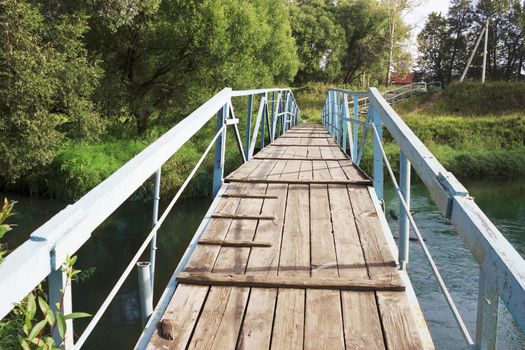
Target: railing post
{"type": "Point", "coordinates": [220, 148]}
{"type": "Point", "coordinates": [356, 125]}
{"type": "Point", "coordinates": [330, 112]}
{"type": "Point", "coordinates": [263, 125]}
{"type": "Point", "coordinates": [155, 216]}
{"type": "Point", "coordinates": [145, 291]}
{"type": "Point", "coordinates": [248, 127]}
{"type": "Point", "coordinates": [378, 155]}
{"type": "Point", "coordinates": [60, 292]}
{"type": "Point", "coordinates": [487, 313]}
{"type": "Point", "coordinates": [345, 122]}
{"type": "Point", "coordinates": [404, 225]}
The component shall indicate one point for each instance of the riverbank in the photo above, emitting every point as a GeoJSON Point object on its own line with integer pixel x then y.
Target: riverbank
{"type": "Point", "coordinates": [488, 142]}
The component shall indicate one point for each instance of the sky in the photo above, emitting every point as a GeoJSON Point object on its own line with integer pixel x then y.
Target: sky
{"type": "Point", "coordinates": [418, 16]}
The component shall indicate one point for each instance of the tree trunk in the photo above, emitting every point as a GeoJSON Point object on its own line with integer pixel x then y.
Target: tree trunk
{"type": "Point", "coordinates": [390, 52]}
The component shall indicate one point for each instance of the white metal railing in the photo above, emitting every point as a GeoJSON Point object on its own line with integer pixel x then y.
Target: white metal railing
{"type": "Point", "coordinates": [43, 254]}
{"type": "Point", "coordinates": [502, 269]}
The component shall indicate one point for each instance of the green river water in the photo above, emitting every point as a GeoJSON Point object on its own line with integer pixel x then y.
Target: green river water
{"type": "Point", "coordinates": [115, 242]}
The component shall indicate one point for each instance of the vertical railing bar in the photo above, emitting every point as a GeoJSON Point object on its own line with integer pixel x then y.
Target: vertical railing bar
{"type": "Point", "coordinates": [377, 158]}
{"type": "Point", "coordinates": [60, 292]}
{"type": "Point", "coordinates": [220, 146]}
{"type": "Point", "coordinates": [422, 243]}
{"type": "Point", "coordinates": [155, 218]}
{"type": "Point", "coordinates": [249, 115]}
{"type": "Point", "coordinates": [487, 312]}
{"type": "Point", "coordinates": [404, 228]}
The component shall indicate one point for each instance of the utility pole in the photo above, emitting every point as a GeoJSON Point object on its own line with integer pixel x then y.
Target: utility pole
{"type": "Point", "coordinates": [472, 56]}
{"type": "Point", "coordinates": [483, 73]}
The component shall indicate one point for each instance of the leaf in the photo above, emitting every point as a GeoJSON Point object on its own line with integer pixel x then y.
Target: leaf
{"type": "Point", "coordinates": [37, 329]}
{"type": "Point", "coordinates": [31, 306]}
{"type": "Point", "coordinates": [4, 229]}
{"type": "Point", "coordinates": [74, 315]}
{"type": "Point", "coordinates": [46, 310]}
{"type": "Point", "coordinates": [24, 344]}
{"type": "Point", "coordinates": [61, 323]}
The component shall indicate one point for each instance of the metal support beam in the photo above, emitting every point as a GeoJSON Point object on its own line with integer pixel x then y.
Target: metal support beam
{"type": "Point", "coordinates": [220, 148]}
{"type": "Point", "coordinates": [60, 292]}
{"type": "Point", "coordinates": [487, 313]}
{"type": "Point", "coordinates": [155, 218]}
{"type": "Point", "coordinates": [404, 225]}
{"type": "Point", "coordinates": [145, 291]}
{"type": "Point", "coordinates": [248, 127]}
{"type": "Point", "coordinates": [378, 156]}
{"type": "Point", "coordinates": [356, 118]}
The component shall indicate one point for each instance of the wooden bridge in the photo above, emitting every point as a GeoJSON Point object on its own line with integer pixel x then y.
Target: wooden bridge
{"type": "Point", "coordinates": [294, 257]}
{"type": "Point", "coordinates": [294, 251]}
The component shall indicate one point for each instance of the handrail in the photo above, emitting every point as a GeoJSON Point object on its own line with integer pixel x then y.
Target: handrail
{"type": "Point", "coordinates": [43, 254]}
{"type": "Point", "coordinates": [502, 269]}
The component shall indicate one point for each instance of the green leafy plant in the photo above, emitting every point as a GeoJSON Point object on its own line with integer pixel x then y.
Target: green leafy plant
{"type": "Point", "coordinates": [33, 334]}
{"type": "Point", "coordinates": [5, 213]}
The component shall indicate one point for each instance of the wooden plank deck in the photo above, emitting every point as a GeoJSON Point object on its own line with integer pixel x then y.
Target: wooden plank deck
{"type": "Point", "coordinates": [320, 228]}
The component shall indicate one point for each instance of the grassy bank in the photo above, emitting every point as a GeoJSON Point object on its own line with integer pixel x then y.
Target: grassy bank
{"type": "Point", "coordinates": [474, 130]}
{"type": "Point", "coordinates": [487, 143]}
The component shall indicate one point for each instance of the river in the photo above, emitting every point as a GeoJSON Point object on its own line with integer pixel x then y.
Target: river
{"type": "Point", "coordinates": [115, 242]}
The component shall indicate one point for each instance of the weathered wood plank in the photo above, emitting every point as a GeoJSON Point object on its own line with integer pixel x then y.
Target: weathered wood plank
{"type": "Point", "coordinates": [258, 281]}
{"type": "Point", "coordinates": [235, 243]}
{"type": "Point", "coordinates": [221, 318]}
{"type": "Point", "coordinates": [399, 327]}
{"type": "Point", "coordinates": [362, 326]}
{"type": "Point", "coordinates": [183, 312]}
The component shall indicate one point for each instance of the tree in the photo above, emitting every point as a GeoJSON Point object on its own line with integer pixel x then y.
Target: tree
{"type": "Point", "coordinates": [320, 40]}
{"type": "Point", "coordinates": [431, 43]}
{"type": "Point", "coordinates": [162, 58]}
{"type": "Point", "coordinates": [365, 25]}
{"type": "Point", "coordinates": [459, 21]}
{"type": "Point", "coordinates": [46, 81]}
{"type": "Point", "coordinates": [397, 30]}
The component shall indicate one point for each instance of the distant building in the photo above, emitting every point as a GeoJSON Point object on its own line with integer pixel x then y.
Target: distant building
{"type": "Point", "coordinates": [402, 78]}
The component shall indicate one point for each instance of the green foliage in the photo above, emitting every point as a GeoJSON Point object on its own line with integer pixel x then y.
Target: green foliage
{"type": "Point", "coordinates": [320, 41]}
{"type": "Point", "coordinates": [31, 323]}
{"type": "Point", "coordinates": [173, 55]}
{"type": "Point", "coordinates": [471, 99]}
{"type": "Point", "coordinates": [446, 41]}
{"type": "Point", "coordinates": [45, 85]}
{"type": "Point", "coordinates": [5, 213]}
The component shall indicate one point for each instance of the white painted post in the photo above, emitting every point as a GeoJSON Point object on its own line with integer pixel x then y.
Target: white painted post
{"type": "Point", "coordinates": [404, 225]}
{"type": "Point", "coordinates": [145, 291]}
{"type": "Point", "coordinates": [487, 313]}
{"type": "Point", "coordinates": [60, 292]}
{"type": "Point", "coordinates": [220, 148]}
{"type": "Point", "coordinates": [378, 155]}
{"type": "Point", "coordinates": [155, 218]}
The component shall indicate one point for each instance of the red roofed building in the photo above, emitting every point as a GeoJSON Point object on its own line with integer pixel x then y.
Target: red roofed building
{"type": "Point", "coordinates": [402, 78]}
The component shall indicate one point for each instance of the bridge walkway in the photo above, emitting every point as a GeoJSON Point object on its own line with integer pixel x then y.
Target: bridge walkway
{"type": "Point", "coordinates": [294, 257]}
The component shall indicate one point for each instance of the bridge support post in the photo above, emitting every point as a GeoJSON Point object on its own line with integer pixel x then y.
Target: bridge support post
{"type": "Point", "coordinates": [220, 147]}
{"type": "Point", "coordinates": [153, 244]}
{"type": "Point", "coordinates": [356, 126]}
{"type": "Point", "coordinates": [60, 292]}
{"type": "Point", "coordinates": [378, 155]}
{"type": "Point", "coordinates": [248, 127]}
{"type": "Point", "coordinates": [487, 313]}
{"type": "Point", "coordinates": [404, 225]}
{"type": "Point", "coordinates": [145, 291]}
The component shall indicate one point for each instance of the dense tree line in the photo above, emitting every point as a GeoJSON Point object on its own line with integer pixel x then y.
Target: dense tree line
{"type": "Point", "coordinates": [446, 41]}
{"type": "Point", "coordinates": [82, 70]}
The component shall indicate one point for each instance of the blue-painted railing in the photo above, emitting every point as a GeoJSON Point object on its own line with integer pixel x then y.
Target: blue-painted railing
{"type": "Point", "coordinates": [44, 253]}
{"type": "Point", "coordinates": [502, 269]}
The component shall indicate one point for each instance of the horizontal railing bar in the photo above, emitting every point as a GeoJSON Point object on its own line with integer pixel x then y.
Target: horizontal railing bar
{"type": "Point", "coordinates": [66, 232]}
{"type": "Point", "coordinates": [96, 318]}
{"type": "Point", "coordinates": [496, 256]}
{"type": "Point", "coordinates": [433, 265]}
